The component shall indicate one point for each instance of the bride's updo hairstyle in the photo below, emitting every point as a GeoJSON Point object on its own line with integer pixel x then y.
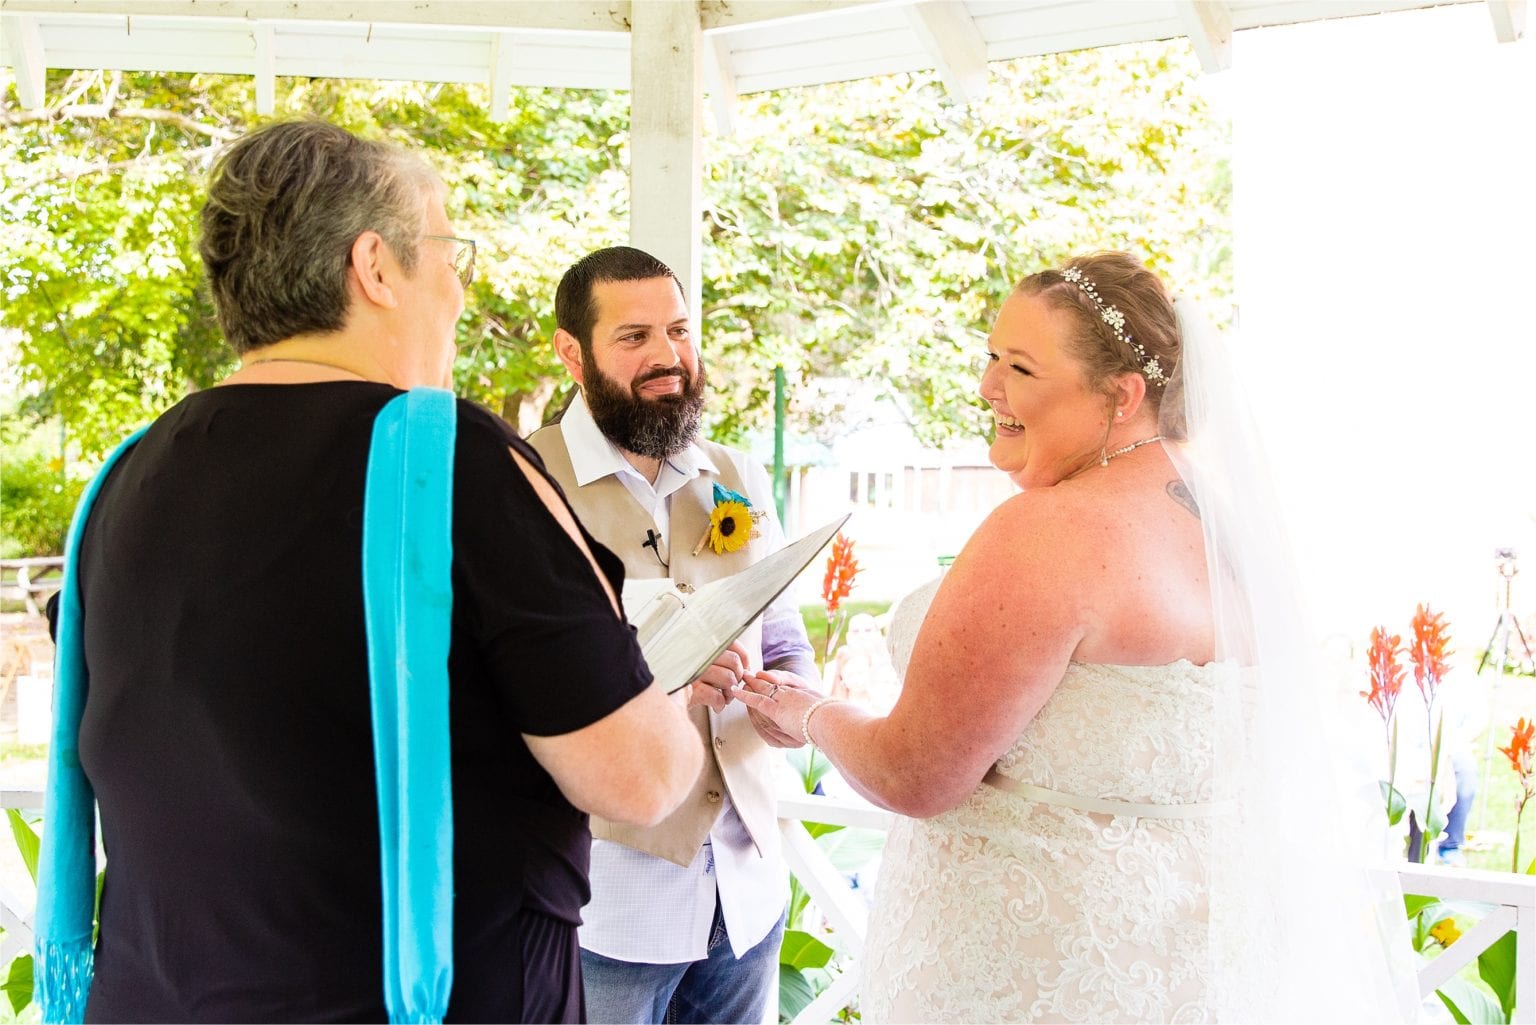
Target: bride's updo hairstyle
{"type": "Point", "coordinates": [1125, 322]}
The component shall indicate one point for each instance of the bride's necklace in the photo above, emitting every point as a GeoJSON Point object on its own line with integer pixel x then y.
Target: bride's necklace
{"type": "Point", "coordinates": [310, 362]}
{"type": "Point", "coordinates": [1133, 446]}
{"type": "Point", "coordinates": [1107, 456]}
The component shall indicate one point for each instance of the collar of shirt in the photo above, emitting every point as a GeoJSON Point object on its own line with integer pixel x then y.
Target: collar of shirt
{"type": "Point", "coordinates": [594, 456]}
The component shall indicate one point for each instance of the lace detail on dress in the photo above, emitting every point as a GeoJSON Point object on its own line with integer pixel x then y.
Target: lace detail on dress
{"type": "Point", "coordinates": [1009, 910]}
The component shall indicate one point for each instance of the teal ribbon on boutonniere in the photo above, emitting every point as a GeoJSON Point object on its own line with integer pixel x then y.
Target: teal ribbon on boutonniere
{"type": "Point", "coordinates": [732, 523]}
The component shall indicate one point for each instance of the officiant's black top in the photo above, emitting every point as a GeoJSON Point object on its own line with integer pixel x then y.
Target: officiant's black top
{"type": "Point", "coordinates": [226, 729]}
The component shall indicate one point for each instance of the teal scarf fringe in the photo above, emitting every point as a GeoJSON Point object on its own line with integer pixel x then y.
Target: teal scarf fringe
{"type": "Point", "coordinates": [63, 979]}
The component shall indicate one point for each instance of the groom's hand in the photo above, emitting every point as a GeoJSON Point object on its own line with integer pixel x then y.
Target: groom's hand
{"type": "Point", "coordinates": [713, 687]}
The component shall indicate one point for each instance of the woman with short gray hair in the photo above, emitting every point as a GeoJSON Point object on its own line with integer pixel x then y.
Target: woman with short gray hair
{"type": "Point", "coordinates": [230, 732]}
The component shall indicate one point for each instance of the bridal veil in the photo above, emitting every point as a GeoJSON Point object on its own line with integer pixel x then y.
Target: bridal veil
{"type": "Point", "coordinates": [1307, 921]}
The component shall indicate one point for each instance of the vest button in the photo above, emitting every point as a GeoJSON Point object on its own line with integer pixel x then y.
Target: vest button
{"type": "Point", "coordinates": [713, 797]}
{"type": "Point", "coordinates": [719, 743]}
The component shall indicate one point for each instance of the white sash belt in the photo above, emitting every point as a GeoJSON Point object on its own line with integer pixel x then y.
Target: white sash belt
{"type": "Point", "coordinates": [1104, 806]}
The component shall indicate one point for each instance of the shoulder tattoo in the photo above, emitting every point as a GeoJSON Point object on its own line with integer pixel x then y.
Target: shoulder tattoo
{"type": "Point", "coordinates": [1180, 494]}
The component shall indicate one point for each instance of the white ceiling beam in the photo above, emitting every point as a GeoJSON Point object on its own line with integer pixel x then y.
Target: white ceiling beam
{"type": "Point", "coordinates": [30, 61]}
{"type": "Point", "coordinates": [567, 15]}
{"type": "Point", "coordinates": [953, 42]}
{"type": "Point", "coordinates": [1208, 24]}
{"type": "Point", "coordinates": [1508, 19]}
{"type": "Point", "coordinates": [721, 80]}
{"type": "Point", "coordinates": [666, 140]}
{"type": "Point", "coordinates": [501, 76]}
{"type": "Point", "coordinates": [716, 14]}
{"type": "Point", "coordinates": [266, 68]}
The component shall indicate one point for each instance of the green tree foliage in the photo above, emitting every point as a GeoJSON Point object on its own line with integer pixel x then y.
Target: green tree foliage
{"type": "Point", "coordinates": [859, 230]}
{"type": "Point", "coordinates": [98, 267]}
{"type": "Point", "coordinates": [38, 500]}
{"type": "Point", "coordinates": [870, 229]}
{"type": "Point", "coordinates": [102, 277]}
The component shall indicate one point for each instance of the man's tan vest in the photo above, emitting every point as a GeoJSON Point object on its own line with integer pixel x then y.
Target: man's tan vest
{"type": "Point", "coordinates": [740, 764]}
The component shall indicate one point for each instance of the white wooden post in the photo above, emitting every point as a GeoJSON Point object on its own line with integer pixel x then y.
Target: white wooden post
{"type": "Point", "coordinates": [264, 69]}
{"type": "Point", "coordinates": [1525, 960]}
{"type": "Point", "coordinates": [26, 46]}
{"type": "Point", "coordinates": [666, 147]}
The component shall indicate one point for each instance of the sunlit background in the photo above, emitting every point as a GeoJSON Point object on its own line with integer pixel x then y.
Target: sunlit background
{"type": "Point", "coordinates": [1385, 270]}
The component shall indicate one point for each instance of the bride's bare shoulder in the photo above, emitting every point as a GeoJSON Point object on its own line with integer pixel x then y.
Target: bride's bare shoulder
{"type": "Point", "coordinates": [1036, 531]}
{"type": "Point", "coordinates": [1057, 513]}
{"type": "Point", "coordinates": [1054, 530]}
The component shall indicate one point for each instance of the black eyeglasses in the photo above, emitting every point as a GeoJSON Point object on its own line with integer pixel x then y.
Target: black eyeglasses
{"type": "Point", "coordinates": [463, 256]}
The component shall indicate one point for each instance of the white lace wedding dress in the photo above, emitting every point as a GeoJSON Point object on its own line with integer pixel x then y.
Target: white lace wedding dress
{"type": "Point", "coordinates": [1017, 907]}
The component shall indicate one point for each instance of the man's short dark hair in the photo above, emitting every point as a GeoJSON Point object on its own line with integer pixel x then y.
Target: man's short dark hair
{"type": "Point", "coordinates": [285, 203]}
{"type": "Point", "coordinates": [576, 310]}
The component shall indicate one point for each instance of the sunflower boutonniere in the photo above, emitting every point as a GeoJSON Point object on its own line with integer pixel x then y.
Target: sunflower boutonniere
{"type": "Point", "coordinates": [732, 523]}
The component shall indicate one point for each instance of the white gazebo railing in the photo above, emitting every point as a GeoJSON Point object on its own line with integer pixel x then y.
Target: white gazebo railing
{"type": "Point", "coordinates": [844, 909]}
{"type": "Point", "coordinates": [16, 912]}
{"type": "Point", "coordinates": [1511, 904]}
{"type": "Point", "coordinates": [1510, 901]}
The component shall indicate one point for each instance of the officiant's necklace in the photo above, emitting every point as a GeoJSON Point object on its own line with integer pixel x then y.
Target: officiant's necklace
{"type": "Point", "coordinates": [1107, 456]}
{"type": "Point", "coordinates": [308, 362]}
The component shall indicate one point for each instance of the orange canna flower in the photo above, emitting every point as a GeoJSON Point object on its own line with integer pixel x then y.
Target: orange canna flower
{"type": "Point", "coordinates": [1519, 750]}
{"type": "Point", "coordinates": [1519, 754]}
{"type": "Point", "coordinates": [842, 567]}
{"type": "Point", "coordinates": [1387, 672]}
{"type": "Point", "coordinates": [1431, 648]}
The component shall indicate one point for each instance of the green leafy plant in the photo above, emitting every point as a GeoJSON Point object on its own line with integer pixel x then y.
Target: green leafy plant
{"type": "Point", "coordinates": [806, 960]}
{"type": "Point", "coordinates": [1489, 999]}
{"type": "Point", "coordinates": [38, 501]}
{"type": "Point", "coordinates": [18, 974]}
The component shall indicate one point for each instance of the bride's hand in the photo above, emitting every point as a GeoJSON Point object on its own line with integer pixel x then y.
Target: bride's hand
{"type": "Point", "coordinates": [777, 701]}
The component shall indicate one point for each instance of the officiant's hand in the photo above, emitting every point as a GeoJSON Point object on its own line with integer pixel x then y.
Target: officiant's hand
{"type": "Point", "coordinates": [714, 686]}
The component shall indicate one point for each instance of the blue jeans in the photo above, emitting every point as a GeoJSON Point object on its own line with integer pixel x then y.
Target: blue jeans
{"type": "Point", "coordinates": [720, 989]}
{"type": "Point", "coordinates": [1465, 768]}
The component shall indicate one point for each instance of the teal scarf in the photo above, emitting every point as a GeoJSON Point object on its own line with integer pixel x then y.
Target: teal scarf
{"type": "Point", "coordinates": [407, 554]}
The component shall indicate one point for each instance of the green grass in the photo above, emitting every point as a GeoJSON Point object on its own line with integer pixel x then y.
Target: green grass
{"type": "Point", "coordinates": [10, 751]}
{"type": "Point", "coordinates": [815, 617]}
{"type": "Point", "coordinates": [1491, 824]}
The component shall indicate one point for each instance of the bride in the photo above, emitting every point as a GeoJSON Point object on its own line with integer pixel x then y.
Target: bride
{"type": "Point", "coordinates": [1115, 799]}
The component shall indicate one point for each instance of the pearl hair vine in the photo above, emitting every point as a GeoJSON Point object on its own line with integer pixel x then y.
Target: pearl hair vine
{"type": "Point", "coordinates": [1111, 315]}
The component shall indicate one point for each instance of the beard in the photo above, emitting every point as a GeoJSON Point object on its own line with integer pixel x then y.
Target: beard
{"type": "Point", "coordinates": [651, 427]}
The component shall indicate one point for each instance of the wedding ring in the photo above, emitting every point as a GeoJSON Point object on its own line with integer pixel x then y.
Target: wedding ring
{"type": "Point", "coordinates": [772, 691]}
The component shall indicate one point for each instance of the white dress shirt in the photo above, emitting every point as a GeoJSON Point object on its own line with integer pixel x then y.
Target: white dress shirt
{"type": "Point", "coordinates": [645, 909]}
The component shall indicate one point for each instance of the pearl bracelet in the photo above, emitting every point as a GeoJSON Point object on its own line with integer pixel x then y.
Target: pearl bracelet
{"type": "Point", "coordinates": [805, 720]}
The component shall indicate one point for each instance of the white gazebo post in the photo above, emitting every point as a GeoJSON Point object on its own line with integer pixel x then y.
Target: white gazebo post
{"type": "Point", "coordinates": [666, 148]}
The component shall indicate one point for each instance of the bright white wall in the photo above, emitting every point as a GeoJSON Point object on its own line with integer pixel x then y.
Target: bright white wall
{"type": "Point", "coordinates": [1386, 246]}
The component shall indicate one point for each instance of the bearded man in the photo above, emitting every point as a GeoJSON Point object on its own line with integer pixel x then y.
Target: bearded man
{"type": "Point", "coordinates": [686, 917]}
